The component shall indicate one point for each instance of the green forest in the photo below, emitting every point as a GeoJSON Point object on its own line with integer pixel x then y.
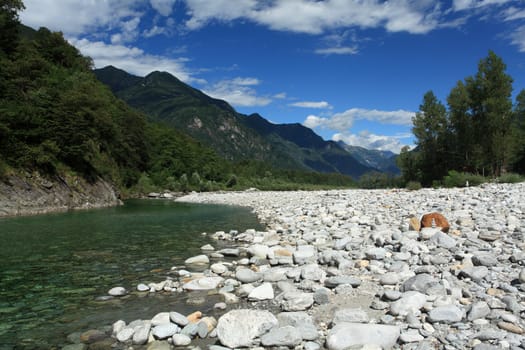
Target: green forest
{"type": "Point", "coordinates": [56, 118]}
{"type": "Point", "coordinates": [478, 135]}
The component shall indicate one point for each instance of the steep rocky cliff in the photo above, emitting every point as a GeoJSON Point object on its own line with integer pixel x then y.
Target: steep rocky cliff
{"type": "Point", "coordinates": [27, 194]}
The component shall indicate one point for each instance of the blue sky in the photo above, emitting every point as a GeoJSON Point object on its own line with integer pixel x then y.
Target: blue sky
{"type": "Point", "coordinates": [353, 70]}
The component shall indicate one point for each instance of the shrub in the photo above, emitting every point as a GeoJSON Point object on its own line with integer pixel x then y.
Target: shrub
{"type": "Point", "coordinates": [232, 181]}
{"type": "Point", "coordinates": [457, 179]}
{"type": "Point", "coordinates": [413, 185]}
{"type": "Point", "coordinates": [511, 178]}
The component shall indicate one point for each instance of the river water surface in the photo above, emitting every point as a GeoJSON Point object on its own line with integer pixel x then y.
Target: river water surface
{"type": "Point", "coordinates": [53, 267]}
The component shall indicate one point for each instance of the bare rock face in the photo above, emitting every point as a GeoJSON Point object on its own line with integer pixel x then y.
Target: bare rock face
{"type": "Point", "coordinates": [28, 194]}
{"type": "Point", "coordinates": [435, 220]}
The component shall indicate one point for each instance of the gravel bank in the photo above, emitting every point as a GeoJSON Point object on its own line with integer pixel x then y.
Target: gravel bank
{"type": "Point", "coordinates": [344, 269]}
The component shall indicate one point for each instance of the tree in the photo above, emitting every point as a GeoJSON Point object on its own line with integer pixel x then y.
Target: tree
{"type": "Point", "coordinates": [430, 129]}
{"type": "Point", "coordinates": [407, 161]}
{"type": "Point", "coordinates": [491, 104]}
{"type": "Point", "coordinates": [462, 136]}
{"type": "Point", "coordinates": [518, 133]}
{"type": "Point", "coordinates": [9, 24]}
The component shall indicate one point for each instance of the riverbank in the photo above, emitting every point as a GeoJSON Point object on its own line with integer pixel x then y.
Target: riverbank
{"type": "Point", "coordinates": [338, 269]}
{"type": "Point", "coordinates": [31, 194]}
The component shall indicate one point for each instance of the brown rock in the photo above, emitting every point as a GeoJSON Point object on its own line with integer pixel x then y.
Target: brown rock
{"type": "Point", "coordinates": [510, 327]}
{"type": "Point", "coordinates": [362, 264]}
{"type": "Point", "coordinates": [435, 220]}
{"type": "Point", "coordinates": [92, 336]}
{"type": "Point", "coordinates": [194, 317]}
{"type": "Point", "coordinates": [414, 224]}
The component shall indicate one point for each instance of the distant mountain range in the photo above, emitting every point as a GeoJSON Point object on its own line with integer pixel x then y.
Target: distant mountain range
{"type": "Point", "coordinates": [235, 136]}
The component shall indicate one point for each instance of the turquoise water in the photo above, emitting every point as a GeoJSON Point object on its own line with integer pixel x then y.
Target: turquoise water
{"type": "Point", "coordinates": [53, 267]}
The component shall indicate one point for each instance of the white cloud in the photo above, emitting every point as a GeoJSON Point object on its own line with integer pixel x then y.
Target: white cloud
{"type": "Point", "coordinates": [338, 50]}
{"type": "Point", "coordinates": [344, 121]}
{"type": "Point", "coordinates": [518, 38]}
{"type": "Point", "coordinates": [132, 59]}
{"type": "Point", "coordinates": [372, 141]}
{"type": "Point", "coordinates": [238, 92]}
{"type": "Point", "coordinates": [75, 17]}
{"type": "Point", "coordinates": [316, 17]}
{"type": "Point", "coordinates": [129, 31]}
{"type": "Point", "coordinates": [312, 104]}
{"type": "Point", "coordinates": [153, 31]}
{"type": "Point", "coordinates": [280, 96]}
{"type": "Point", "coordinates": [461, 5]}
{"type": "Point", "coordinates": [163, 7]}
{"type": "Point", "coordinates": [513, 13]}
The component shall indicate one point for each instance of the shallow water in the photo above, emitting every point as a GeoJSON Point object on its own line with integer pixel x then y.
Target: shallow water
{"type": "Point", "coordinates": [53, 267]}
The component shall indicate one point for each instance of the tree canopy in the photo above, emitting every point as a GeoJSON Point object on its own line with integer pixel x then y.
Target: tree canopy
{"type": "Point", "coordinates": [480, 132]}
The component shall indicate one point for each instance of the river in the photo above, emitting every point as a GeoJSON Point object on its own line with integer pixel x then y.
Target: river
{"type": "Point", "coordinates": [53, 267]}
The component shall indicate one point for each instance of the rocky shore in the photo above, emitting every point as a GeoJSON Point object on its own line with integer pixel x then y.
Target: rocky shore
{"type": "Point", "coordinates": [348, 270]}
{"type": "Point", "coordinates": [30, 194]}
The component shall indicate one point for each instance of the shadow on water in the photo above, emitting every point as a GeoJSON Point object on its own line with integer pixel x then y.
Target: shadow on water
{"type": "Point", "coordinates": [52, 267]}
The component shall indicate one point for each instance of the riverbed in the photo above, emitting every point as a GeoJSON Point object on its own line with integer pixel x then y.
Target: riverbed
{"type": "Point", "coordinates": [54, 267]}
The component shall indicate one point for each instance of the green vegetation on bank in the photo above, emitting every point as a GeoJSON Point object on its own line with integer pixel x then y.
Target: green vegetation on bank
{"type": "Point", "coordinates": [56, 118]}
{"type": "Point", "coordinates": [480, 136]}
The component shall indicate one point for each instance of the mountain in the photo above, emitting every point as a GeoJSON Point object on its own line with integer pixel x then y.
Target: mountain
{"type": "Point", "coordinates": [234, 136]}
{"type": "Point", "coordinates": [310, 148]}
{"type": "Point", "coordinates": [384, 161]}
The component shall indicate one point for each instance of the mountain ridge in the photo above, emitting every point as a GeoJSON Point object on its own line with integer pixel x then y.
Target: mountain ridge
{"type": "Point", "coordinates": [233, 135]}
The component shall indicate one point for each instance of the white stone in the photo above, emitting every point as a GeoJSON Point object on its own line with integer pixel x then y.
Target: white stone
{"type": "Point", "coordinates": [181, 340]}
{"type": "Point", "coordinates": [263, 292]}
{"type": "Point", "coordinates": [346, 335]}
{"type": "Point", "coordinates": [160, 318]}
{"type": "Point", "coordinates": [117, 291]}
{"type": "Point", "coordinates": [197, 260]}
{"type": "Point", "coordinates": [409, 302]}
{"type": "Point", "coordinates": [218, 268]}
{"type": "Point", "coordinates": [203, 283]}
{"type": "Point", "coordinates": [164, 330]}
{"type": "Point", "coordinates": [125, 334]}
{"type": "Point", "coordinates": [240, 328]}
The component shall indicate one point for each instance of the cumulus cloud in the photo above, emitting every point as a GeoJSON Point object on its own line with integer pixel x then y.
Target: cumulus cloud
{"type": "Point", "coordinates": [312, 104]}
{"type": "Point", "coordinates": [129, 31]}
{"type": "Point", "coordinates": [372, 141]}
{"type": "Point", "coordinates": [344, 120]}
{"type": "Point", "coordinates": [238, 92]}
{"type": "Point", "coordinates": [132, 59]}
{"type": "Point", "coordinates": [75, 17]}
{"type": "Point", "coordinates": [316, 17]}
{"type": "Point", "coordinates": [163, 7]}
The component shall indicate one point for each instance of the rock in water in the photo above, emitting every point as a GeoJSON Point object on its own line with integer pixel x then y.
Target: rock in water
{"type": "Point", "coordinates": [239, 328]}
{"type": "Point", "coordinates": [117, 291]}
{"type": "Point", "coordinates": [203, 283]}
{"type": "Point", "coordinates": [197, 260]}
{"type": "Point", "coordinates": [347, 335]}
{"type": "Point", "coordinates": [435, 220]}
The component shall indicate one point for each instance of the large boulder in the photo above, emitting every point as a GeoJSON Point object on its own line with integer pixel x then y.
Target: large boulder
{"type": "Point", "coordinates": [435, 220]}
{"type": "Point", "coordinates": [240, 328]}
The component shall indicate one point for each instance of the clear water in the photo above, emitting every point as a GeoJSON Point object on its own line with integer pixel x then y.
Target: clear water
{"type": "Point", "coordinates": [53, 267]}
